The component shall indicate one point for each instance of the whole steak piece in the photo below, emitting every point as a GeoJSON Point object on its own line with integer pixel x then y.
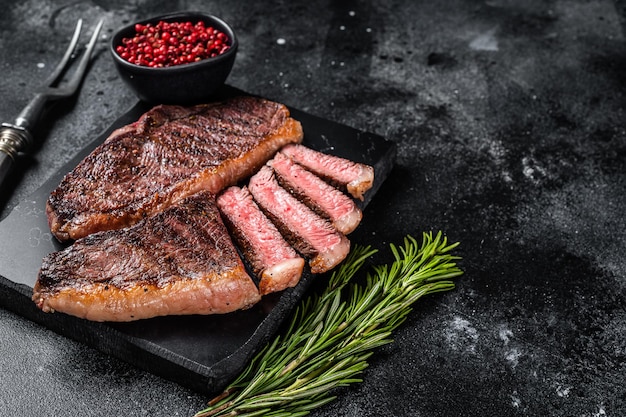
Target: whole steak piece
{"type": "Point", "coordinates": [180, 261]}
{"type": "Point", "coordinates": [170, 153]}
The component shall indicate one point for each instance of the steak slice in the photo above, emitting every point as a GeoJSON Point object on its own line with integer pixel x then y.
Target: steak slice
{"type": "Point", "coordinates": [180, 261]}
{"type": "Point", "coordinates": [277, 264]}
{"type": "Point", "coordinates": [171, 152]}
{"type": "Point", "coordinates": [308, 233]}
{"type": "Point", "coordinates": [352, 176]}
{"type": "Point", "coordinates": [322, 197]}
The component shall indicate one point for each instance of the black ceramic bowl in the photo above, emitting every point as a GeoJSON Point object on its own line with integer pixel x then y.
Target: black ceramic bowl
{"type": "Point", "coordinates": [179, 84]}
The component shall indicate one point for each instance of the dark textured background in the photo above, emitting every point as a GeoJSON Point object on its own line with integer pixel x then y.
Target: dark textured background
{"type": "Point", "coordinates": [509, 121]}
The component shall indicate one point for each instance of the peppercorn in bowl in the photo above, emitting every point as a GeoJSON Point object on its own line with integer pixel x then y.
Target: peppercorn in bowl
{"type": "Point", "coordinates": [179, 58]}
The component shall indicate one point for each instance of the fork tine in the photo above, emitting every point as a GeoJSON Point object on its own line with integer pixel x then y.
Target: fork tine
{"type": "Point", "coordinates": [31, 113]}
{"type": "Point", "coordinates": [84, 61]}
{"type": "Point", "coordinates": [58, 70]}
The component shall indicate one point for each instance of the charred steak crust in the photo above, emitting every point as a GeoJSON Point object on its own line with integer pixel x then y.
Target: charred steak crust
{"type": "Point", "coordinates": [180, 261]}
{"type": "Point", "coordinates": [171, 152]}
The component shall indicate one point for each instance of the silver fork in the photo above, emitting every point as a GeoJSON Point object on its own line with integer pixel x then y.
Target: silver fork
{"type": "Point", "coordinates": [16, 138]}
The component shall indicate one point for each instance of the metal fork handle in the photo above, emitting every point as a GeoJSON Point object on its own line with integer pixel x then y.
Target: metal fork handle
{"type": "Point", "coordinates": [13, 140]}
{"type": "Point", "coordinates": [29, 116]}
{"type": "Point", "coordinates": [16, 138]}
{"type": "Point", "coordinates": [6, 164]}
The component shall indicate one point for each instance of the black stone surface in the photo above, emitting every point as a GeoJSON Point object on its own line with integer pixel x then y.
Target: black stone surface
{"type": "Point", "coordinates": [509, 121]}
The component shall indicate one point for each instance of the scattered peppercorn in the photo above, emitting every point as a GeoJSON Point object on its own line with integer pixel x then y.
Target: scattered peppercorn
{"type": "Point", "coordinates": [172, 43]}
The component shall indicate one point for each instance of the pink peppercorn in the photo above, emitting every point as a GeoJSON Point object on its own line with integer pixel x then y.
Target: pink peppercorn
{"type": "Point", "coordinates": [172, 43]}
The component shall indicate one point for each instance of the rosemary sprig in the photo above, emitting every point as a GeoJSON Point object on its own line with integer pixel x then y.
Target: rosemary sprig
{"type": "Point", "coordinates": [332, 334]}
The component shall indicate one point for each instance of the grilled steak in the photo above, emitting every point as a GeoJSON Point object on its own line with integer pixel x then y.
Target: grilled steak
{"type": "Point", "coordinates": [308, 233]}
{"type": "Point", "coordinates": [170, 153]}
{"type": "Point", "coordinates": [352, 176]}
{"type": "Point", "coordinates": [320, 196]}
{"type": "Point", "coordinates": [180, 261]}
{"type": "Point", "coordinates": [277, 264]}
{"type": "Point", "coordinates": [149, 237]}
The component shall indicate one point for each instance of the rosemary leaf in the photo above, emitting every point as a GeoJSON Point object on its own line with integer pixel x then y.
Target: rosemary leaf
{"type": "Point", "coordinates": [332, 335]}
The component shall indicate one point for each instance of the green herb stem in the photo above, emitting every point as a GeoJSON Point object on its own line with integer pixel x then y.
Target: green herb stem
{"type": "Point", "coordinates": [332, 335]}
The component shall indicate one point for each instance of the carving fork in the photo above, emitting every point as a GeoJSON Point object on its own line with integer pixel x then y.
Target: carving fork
{"type": "Point", "coordinates": [16, 137]}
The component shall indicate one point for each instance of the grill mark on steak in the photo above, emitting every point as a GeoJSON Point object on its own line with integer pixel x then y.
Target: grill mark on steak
{"type": "Point", "coordinates": [352, 176]}
{"type": "Point", "coordinates": [277, 264]}
{"type": "Point", "coordinates": [317, 194]}
{"type": "Point", "coordinates": [180, 261]}
{"type": "Point", "coordinates": [308, 233]}
{"type": "Point", "coordinates": [171, 152]}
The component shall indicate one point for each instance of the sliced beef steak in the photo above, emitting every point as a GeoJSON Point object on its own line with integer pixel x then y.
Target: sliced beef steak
{"type": "Point", "coordinates": [356, 178]}
{"type": "Point", "coordinates": [170, 153]}
{"type": "Point", "coordinates": [273, 260]}
{"type": "Point", "coordinates": [322, 197]}
{"type": "Point", "coordinates": [310, 234]}
{"type": "Point", "coordinates": [180, 261]}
